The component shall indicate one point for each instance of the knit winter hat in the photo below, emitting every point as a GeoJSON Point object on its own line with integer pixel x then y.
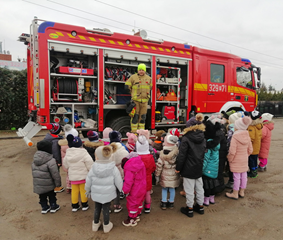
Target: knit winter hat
{"type": "Point", "coordinates": [44, 146]}
{"type": "Point", "coordinates": [144, 133]}
{"type": "Point", "coordinates": [54, 128]}
{"type": "Point", "coordinates": [142, 145]}
{"type": "Point", "coordinates": [225, 115]}
{"type": "Point", "coordinates": [158, 135]}
{"type": "Point", "coordinates": [142, 66]}
{"type": "Point", "coordinates": [267, 117]}
{"type": "Point", "coordinates": [115, 136]}
{"type": "Point", "coordinates": [92, 136]}
{"type": "Point", "coordinates": [230, 113]}
{"type": "Point", "coordinates": [214, 118]}
{"type": "Point", "coordinates": [235, 116]}
{"type": "Point", "coordinates": [68, 129]}
{"type": "Point", "coordinates": [195, 120]}
{"type": "Point", "coordinates": [242, 123]}
{"type": "Point", "coordinates": [171, 139]}
{"type": "Point", "coordinates": [175, 132]}
{"type": "Point", "coordinates": [74, 141]}
{"type": "Point", "coordinates": [106, 132]}
{"type": "Point", "coordinates": [103, 153]}
{"type": "Point", "coordinates": [255, 115]}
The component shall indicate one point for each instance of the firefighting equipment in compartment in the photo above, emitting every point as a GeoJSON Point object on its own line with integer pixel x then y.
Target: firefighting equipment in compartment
{"type": "Point", "coordinates": [87, 86]}
{"type": "Point", "coordinates": [53, 64]}
{"type": "Point", "coordinates": [168, 112]}
{"type": "Point", "coordinates": [56, 119]}
{"type": "Point", "coordinates": [109, 97]}
{"type": "Point", "coordinates": [76, 67]}
{"type": "Point", "coordinates": [159, 95]}
{"type": "Point", "coordinates": [88, 123]}
{"type": "Point", "coordinates": [122, 95]}
{"type": "Point", "coordinates": [158, 116]}
{"type": "Point", "coordinates": [170, 96]}
{"type": "Point", "coordinates": [65, 90]}
{"type": "Point", "coordinates": [117, 74]}
{"type": "Point", "coordinates": [66, 120]}
{"type": "Point", "coordinates": [61, 110]}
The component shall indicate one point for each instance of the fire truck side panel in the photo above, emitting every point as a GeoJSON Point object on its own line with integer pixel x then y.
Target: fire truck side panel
{"type": "Point", "coordinates": [153, 92]}
{"type": "Point", "coordinates": [100, 89]}
{"type": "Point", "coordinates": [199, 96]}
{"type": "Point", "coordinates": [43, 71]}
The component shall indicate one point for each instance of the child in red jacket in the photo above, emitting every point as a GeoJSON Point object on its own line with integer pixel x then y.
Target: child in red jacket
{"type": "Point", "coordinates": [142, 148]}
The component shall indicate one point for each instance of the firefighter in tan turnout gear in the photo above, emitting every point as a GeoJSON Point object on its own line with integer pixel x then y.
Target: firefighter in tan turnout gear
{"type": "Point", "coordinates": [139, 85]}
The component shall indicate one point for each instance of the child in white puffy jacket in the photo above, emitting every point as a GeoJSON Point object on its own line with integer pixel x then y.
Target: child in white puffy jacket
{"type": "Point", "coordinates": [78, 162]}
{"type": "Point", "coordinates": [101, 183]}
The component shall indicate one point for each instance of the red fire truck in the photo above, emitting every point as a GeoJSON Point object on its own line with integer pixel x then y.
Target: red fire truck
{"type": "Point", "coordinates": [77, 76]}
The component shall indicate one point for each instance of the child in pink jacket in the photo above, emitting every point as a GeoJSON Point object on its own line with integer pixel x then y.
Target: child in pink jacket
{"type": "Point", "coordinates": [134, 187]}
{"type": "Point", "coordinates": [239, 151]}
{"type": "Point", "coordinates": [268, 126]}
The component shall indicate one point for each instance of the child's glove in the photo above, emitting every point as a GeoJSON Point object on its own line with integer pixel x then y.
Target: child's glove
{"type": "Point", "coordinates": [88, 194]}
{"type": "Point", "coordinates": [157, 178]}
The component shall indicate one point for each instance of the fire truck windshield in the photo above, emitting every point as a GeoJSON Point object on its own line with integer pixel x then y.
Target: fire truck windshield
{"type": "Point", "coordinates": [244, 77]}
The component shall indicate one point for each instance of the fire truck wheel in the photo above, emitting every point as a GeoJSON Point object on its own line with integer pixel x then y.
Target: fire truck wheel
{"type": "Point", "coordinates": [121, 124]}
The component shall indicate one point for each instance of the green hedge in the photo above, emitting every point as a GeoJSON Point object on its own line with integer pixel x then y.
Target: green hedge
{"type": "Point", "coordinates": [13, 99]}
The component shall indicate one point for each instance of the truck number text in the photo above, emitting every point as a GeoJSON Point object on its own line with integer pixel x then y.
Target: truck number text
{"type": "Point", "coordinates": [217, 88]}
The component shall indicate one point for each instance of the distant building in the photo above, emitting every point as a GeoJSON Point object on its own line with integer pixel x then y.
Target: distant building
{"type": "Point", "coordinates": [12, 65]}
{"type": "Point", "coordinates": [5, 57]}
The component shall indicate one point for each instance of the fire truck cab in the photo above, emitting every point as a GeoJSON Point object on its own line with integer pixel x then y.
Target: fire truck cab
{"type": "Point", "coordinates": [77, 76]}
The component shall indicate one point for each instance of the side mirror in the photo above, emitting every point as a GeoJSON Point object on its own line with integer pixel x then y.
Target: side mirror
{"type": "Point", "coordinates": [258, 73]}
{"type": "Point", "coordinates": [258, 84]}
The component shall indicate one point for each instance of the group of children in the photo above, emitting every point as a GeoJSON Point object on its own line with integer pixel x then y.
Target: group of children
{"type": "Point", "coordinates": [107, 170]}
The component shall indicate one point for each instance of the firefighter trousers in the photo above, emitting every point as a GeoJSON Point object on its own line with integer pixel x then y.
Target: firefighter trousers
{"type": "Point", "coordinates": [138, 120]}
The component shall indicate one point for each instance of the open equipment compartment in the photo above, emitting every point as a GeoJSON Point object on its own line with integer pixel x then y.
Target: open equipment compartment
{"type": "Point", "coordinates": [73, 85]}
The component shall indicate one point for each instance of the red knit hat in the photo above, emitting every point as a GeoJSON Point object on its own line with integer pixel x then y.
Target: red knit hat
{"type": "Point", "coordinates": [175, 132]}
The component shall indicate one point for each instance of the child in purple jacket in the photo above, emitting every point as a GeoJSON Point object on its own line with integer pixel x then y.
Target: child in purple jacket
{"type": "Point", "coordinates": [134, 187]}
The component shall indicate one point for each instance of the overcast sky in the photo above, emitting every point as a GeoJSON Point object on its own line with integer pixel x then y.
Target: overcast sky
{"type": "Point", "coordinates": [248, 28]}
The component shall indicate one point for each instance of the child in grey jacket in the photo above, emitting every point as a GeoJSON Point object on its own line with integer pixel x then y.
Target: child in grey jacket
{"type": "Point", "coordinates": [45, 176]}
{"type": "Point", "coordinates": [101, 183]}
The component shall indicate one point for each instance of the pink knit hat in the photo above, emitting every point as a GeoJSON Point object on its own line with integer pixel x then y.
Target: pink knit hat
{"type": "Point", "coordinates": [242, 123]}
{"type": "Point", "coordinates": [106, 132]}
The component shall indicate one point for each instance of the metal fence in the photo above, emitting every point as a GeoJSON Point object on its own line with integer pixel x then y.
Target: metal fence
{"type": "Point", "coordinates": [273, 107]}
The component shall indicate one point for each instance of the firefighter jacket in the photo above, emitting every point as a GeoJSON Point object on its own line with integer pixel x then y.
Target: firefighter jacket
{"type": "Point", "coordinates": [140, 87]}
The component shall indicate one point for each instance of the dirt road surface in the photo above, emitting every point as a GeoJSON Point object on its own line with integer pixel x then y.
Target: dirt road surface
{"type": "Point", "coordinates": [258, 216]}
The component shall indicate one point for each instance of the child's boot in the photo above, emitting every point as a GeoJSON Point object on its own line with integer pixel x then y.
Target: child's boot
{"type": "Point", "coordinates": [85, 206]}
{"type": "Point", "coordinates": [45, 208]}
{"type": "Point", "coordinates": [211, 199]}
{"type": "Point", "coordinates": [75, 207]}
{"type": "Point", "coordinates": [187, 211]}
{"type": "Point", "coordinates": [206, 201]}
{"type": "Point", "coordinates": [95, 226]}
{"type": "Point", "coordinates": [107, 228]}
{"type": "Point", "coordinates": [199, 209]}
{"type": "Point", "coordinates": [233, 195]}
{"type": "Point", "coordinates": [54, 207]}
{"type": "Point", "coordinates": [242, 193]}
{"type": "Point", "coordinates": [130, 222]}
{"type": "Point", "coordinates": [163, 205]}
{"type": "Point", "coordinates": [170, 205]}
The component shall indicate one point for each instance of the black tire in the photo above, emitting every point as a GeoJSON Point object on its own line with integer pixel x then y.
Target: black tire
{"type": "Point", "coordinates": [121, 124]}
